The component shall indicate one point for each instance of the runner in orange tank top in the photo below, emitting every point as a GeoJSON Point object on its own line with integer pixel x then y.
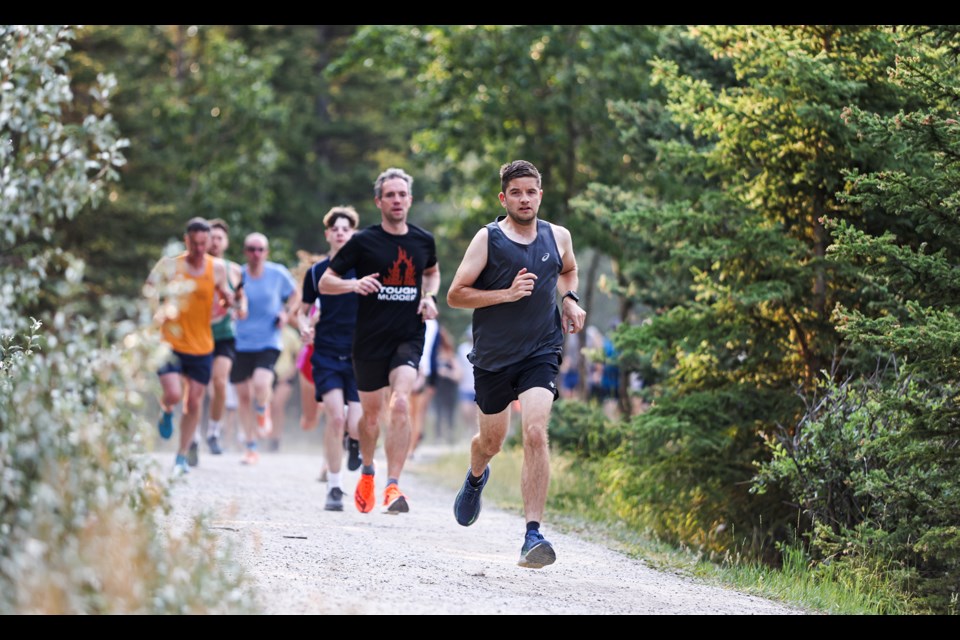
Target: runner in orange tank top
{"type": "Point", "coordinates": [182, 292]}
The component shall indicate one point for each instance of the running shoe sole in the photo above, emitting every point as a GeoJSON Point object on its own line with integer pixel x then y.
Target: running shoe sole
{"type": "Point", "coordinates": [399, 505]}
{"type": "Point", "coordinates": [539, 556]}
{"type": "Point", "coordinates": [334, 504]}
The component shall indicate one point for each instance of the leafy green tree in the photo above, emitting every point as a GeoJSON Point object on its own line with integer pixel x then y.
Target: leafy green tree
{"type": "Point", "coordinates": [202, 117]}
{"type": "Point", "coordinates": [78, 500]}
{"type": "Point", "coordinates": [483, 95]}
{"type": "Point", "coordinates": [337, 136]}
{"type": "Point", "coordinates": [54, 160]}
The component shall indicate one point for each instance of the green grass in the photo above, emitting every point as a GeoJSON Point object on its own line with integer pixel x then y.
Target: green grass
{"type": "Point", "coordinates": [572, 508]}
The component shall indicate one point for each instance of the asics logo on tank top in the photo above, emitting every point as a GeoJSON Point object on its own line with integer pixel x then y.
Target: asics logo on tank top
{"type": "Point", "coordinates": [545, 257]}
{"type": "Point", "coordinates": [400, 283]}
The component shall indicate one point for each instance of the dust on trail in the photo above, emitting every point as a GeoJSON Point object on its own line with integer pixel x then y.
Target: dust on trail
{"type": "Point", "coordinates": [305, 560]}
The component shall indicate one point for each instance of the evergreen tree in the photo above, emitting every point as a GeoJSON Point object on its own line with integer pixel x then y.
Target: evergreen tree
{"type": "Point", "coordinates": [876, 462]}
{"type": "Point", "coordinates": [762, 158]}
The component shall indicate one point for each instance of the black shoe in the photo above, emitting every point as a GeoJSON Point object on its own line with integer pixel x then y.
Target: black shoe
{"type": "Point", "coordinates": [466, 507]}
{"type": "Point", "coordinates": [536, 552]}
{"type": "Point", "coordinates": [353, 454]}
{"type": "Point", "coordinates": [193, 454]}
{"type": "Point", "coordinates": [334, 500]}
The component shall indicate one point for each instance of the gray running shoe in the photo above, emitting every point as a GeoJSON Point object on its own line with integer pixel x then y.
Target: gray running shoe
{"type": "Point", "coordinates": [193, 454]}
{"type": "Point", "coordinates": [334, 500]}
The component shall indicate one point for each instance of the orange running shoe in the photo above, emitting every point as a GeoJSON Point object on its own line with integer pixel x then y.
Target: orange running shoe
{"type": "Point", "coordinates": [394, 501]}
{"type": "Point", "coordinates": [264, 423]}
{"type": "Point", "coordinates": [251, 457]}
{"type": "Point", "coordinates": [365, 496]}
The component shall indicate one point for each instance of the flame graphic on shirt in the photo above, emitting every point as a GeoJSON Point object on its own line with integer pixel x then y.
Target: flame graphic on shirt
{"type": "Point", "coordinates": [402, 273]}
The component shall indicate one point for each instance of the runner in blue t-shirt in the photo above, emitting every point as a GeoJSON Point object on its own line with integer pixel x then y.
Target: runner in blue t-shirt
{"type": "Point", "coordinates": [271, 292]}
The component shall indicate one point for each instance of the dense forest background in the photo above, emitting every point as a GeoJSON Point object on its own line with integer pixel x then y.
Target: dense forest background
{"type": "Point", "coordinates": [767, 214]}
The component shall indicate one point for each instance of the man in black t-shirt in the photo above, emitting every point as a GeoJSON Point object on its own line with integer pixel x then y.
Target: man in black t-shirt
{"type": "Point", "coordinates": [394, 262]}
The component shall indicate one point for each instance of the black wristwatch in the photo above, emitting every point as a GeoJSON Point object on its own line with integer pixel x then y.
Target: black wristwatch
{"type": "Point", "coordinates": [572, 295]}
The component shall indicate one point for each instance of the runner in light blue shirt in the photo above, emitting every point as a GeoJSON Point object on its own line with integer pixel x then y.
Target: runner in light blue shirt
{"type": "Point", "coordinates": [271, 292]}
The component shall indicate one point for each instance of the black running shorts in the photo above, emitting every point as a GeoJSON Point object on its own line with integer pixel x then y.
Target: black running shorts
{"type": "Point", "coordinates": [497, 389]}
{"type": "Point", "coordinates": [375, 374]}
{"type": "Point", "coordinates": [247, 361]}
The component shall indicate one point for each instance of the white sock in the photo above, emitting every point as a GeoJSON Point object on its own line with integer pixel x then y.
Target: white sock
{"type": "Point", "coordinates": [333, 480]}
{"type": "Point", "coordinates": [213, 428]}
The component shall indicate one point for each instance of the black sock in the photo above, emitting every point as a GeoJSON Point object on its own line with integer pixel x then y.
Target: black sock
{"type": "Point", "coordinates": [474, 480]}
{"type": "Point", "coordinates": [367, 470]}
{"type": "Point", "coordinates": [533, 526]}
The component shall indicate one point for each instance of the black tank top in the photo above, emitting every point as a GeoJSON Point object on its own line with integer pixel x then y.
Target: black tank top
{"type": "Point", "coordinates": [508, 333]}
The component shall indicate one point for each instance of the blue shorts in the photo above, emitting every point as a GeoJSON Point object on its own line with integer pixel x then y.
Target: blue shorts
{"type": "Point", "coordinates": [333, 372]}
{"type": "Point", "coordinates": [197, 368]}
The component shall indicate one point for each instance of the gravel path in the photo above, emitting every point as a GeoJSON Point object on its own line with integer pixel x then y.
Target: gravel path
{"type": "Point", "coordinates": [305, 560]}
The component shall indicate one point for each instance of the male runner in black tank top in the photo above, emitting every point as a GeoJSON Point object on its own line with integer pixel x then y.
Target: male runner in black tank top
{"type": "Point", "coordinates": [394, 261]}
{"type": "Point", "coordinates": [510, 276]}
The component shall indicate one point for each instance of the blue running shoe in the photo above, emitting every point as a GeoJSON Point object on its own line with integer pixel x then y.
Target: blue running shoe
{"type": "Point", "coordinates": [536, 552]}
{"type": "Point", "coordinates": [467, 505]}
{"type": "Point", "coordinates": [165, 425]}
{"type": "Point", "coordinates": [180, 467]}
{"type": "Point", "coordinates": [214, 443]}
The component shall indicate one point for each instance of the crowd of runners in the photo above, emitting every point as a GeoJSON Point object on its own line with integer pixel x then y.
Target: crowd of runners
{"type": "Point", "coordinates": [373, 352]}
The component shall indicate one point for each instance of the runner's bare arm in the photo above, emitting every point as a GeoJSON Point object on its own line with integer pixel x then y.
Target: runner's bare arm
{"type": "Point", "coordinates": [154, 290]}
{"type": "Point", "coordinates": [462, 294]}
{"type": "Point", "coordinates": [304, 322]}
{"type": "Point", "coordinates": [332, 284]}
{"type": "Point", "coordinates": [240, 299]}
{"type": "Point", "coordinates": [573, 317]}
{"type": "Point", "coordinates": [220, 281]}
{"type": "Point", "coordinates": [431, 285]}
{"type": "Point", "coordinates": [288, 311]}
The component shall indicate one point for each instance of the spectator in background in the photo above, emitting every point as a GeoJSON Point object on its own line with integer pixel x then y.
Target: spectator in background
{"type": "Point", "coordinates": [569, 368]}
{"type": "Point", "coordinates": [468, 396]}
{"type": "Point", "coordinates": [446, 396]}
{"type": "Point", "coordinates": [426, 385]}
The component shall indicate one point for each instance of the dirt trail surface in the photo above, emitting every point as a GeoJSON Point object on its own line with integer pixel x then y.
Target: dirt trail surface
{"type": "Point", "coordinates": [305, 560]}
